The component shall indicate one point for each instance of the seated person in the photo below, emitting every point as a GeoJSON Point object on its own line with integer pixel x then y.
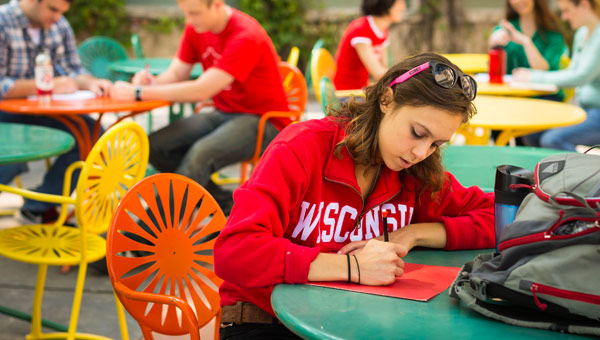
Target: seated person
{"type": "Point", "coordinates": [316, 197]}
{"type": "Point", "coordinates": [362, 51]}
{"type": "Point", "coordinates": [27, 28]}
{"type": "Point", "coordinates": [242, 77]}
{"type": "Point", "coordinates": [531, 36]}
{"type": "Point", "coordinates": [583, 73]}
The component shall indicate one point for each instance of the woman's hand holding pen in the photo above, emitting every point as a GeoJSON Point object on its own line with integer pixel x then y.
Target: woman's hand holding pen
{"type": "Point", "coordinates": [380, 263]}
{"type": "Point", "coordinates": [402, 237]}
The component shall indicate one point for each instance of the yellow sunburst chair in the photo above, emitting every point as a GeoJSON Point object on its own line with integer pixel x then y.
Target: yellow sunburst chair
{"type": "Point", "coordinates": [116, 162]}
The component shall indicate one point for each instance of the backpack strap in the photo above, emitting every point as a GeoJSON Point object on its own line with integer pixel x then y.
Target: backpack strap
{"type": "Point", "coordinates": [554, 201]}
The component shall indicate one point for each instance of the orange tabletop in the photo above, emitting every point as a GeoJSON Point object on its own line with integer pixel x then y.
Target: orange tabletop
{"type": "Point", "coordinates": [67, 111]}
{"type": "Point", "coordinates": [521, 116]}
{"type": "Point", "coordinates": [71, 107]}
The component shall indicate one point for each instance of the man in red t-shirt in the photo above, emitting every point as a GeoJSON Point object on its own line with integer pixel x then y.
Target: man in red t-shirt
{"type": "Point", "coordinates": [240, 75]}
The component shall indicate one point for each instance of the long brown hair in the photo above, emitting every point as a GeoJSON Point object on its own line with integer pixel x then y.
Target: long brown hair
{"type": "Point", "coordinates": [545, 20]}
{"type": "Point", "coordinates": [362, 118]}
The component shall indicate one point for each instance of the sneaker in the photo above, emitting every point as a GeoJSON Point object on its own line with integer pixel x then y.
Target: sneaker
{"type": "Point", "coordinates": [39, 217]}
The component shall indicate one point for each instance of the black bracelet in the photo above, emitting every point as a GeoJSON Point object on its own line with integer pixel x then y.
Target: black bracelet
{"type": "Point", "coordinates": [349, 271]}
{"type": "Point", "coordinates": [357, 268]}
{"type": "Point", "coordinates": [138, 93]}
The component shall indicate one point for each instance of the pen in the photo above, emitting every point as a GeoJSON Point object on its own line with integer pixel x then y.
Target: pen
{"type": "Point", "coordinates": [148, 73]}
{"type": "Point", "coordinates": [384, 214]}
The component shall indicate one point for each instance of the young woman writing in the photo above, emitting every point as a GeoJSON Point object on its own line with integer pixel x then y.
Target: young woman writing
{"type": "Point", "coordinates": [320, 188]}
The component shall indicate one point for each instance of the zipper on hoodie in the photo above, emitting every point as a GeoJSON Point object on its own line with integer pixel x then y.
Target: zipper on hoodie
{"type": "Point", "coordinates": [358, 223]}
{"type": "Point", "coordinates": [538, 288]}
{"type": "Point", "coordinates": [356, 191]}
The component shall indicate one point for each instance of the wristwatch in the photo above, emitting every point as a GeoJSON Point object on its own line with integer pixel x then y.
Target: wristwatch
{"type": "Point", "coordinates": [138, 93]}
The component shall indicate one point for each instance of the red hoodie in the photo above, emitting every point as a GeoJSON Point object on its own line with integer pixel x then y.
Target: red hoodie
{"type": "Point", "coordinates": [302, 200]}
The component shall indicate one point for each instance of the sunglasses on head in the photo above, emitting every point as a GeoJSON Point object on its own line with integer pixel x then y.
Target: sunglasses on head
{"type": "Point", "coordinates": [445, 76]}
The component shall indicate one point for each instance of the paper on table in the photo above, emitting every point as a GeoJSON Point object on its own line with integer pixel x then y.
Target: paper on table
{"type": "Point", "coordinates": [77, 95]}
{"type": "Point", "coordinates": [420, 282]}
{"type": "Point", "coordinates": [508, 78]}
{"type": "Point", "coordinates": [485, 77]}
{"type": "Point", "coordinates": [533, 86]}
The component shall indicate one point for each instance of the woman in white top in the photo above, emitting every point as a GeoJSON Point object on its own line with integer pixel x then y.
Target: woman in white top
{"type": "Point", "coordinates": [583, 73]}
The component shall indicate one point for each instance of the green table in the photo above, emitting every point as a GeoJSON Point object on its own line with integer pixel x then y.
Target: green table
{"type": "Point", "coordinates": [156, 66]}
{"type": "Point", "coordinates": [323, 313]}
{"type": "Point", "coordinates": [476, 165]}
{"type": "Point", "coordinates": [22, 143]}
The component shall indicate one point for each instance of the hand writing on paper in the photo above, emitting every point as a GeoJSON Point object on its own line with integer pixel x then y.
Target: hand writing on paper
{"type": "Point", "coordinates": [142, 77]}
{"type": "Point", "coordinates": [64, 84]}
{"type": "Point", "coordinates": [402, 237]}
{"type": "Point", "coordinates": [380, 262]}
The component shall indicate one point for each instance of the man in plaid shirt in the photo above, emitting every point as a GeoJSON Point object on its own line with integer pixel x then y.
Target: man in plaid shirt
{"type": "Point", "coordinates": [26, 28]}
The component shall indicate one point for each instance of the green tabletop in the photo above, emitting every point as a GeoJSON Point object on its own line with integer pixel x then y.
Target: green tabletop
{"type": "Point", "coordinates": [476, 165]}
{"type": "Point", "coordinates": [156, 66]}
{"type": "Point", "coordinates": [323, 313]}
{"type": "Point", "coordinates": [22, 143]}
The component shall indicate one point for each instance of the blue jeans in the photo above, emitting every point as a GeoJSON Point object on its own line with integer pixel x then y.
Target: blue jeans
{"type": "Point", "coordinates": [567, 138]}
{"type": "Point", "coordinates": [201, 144]}
{"type": "Point", "coordinates": [54, 178]}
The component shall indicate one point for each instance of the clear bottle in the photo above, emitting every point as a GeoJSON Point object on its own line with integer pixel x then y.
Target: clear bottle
{"type": "Point", "coordinates": [44, 76]}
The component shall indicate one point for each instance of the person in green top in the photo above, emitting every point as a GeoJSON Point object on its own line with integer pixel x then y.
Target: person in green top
{"type": "Point", "coordinates": [531, 36]}
{"type": "Point", "coordinates": [583, 73]}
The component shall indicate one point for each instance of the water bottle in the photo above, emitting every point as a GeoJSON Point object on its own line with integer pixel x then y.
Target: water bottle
{"type": "Point", "coordinates": [507, 200]}
{"type": "Point", "coordinates": [497, 65]}
{"type": "Point", "coordinates": [44, 76]}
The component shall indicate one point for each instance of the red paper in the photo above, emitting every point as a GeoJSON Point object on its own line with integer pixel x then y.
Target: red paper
{"type": "Point", "coordinates": [420, 282]}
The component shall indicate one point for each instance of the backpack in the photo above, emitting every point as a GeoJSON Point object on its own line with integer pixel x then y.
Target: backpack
{"type": "Point", "coordinates": [547, 272]}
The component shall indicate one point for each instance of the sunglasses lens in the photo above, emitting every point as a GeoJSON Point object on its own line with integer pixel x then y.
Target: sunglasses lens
{"type": "Point", "coordinates": [444, 75]}
{"type": "Point", "coordinates": [468, 86]}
